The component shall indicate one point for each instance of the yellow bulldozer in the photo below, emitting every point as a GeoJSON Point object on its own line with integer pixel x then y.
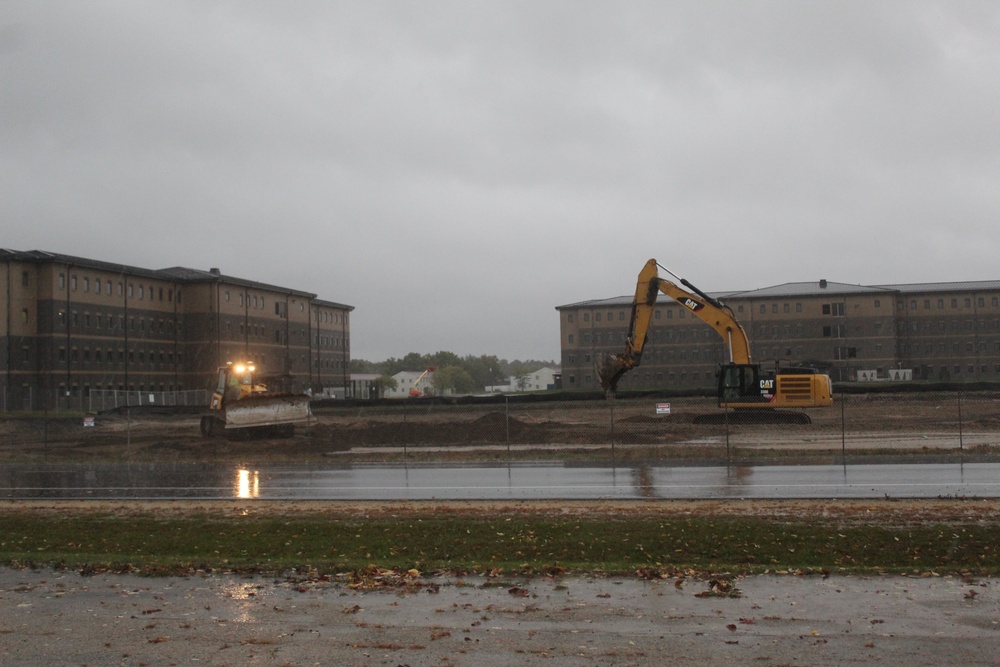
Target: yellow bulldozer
{"type": "Point", "coordinates": [243, 406]}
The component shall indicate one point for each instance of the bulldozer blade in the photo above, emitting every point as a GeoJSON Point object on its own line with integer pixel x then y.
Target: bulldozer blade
{"type": "Point", "coordinates": [268, 411]}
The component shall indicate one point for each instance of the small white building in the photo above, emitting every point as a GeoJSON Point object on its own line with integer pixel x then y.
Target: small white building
{"type": "Point", "coordinates": [543, 379]}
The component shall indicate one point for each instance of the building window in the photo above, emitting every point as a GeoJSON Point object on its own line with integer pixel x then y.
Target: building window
{"type": "Point", "coordinates": [836, 331]}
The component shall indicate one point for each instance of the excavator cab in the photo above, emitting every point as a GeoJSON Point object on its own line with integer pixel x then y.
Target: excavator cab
{"type": "Point", "coordinates": [744, 383]}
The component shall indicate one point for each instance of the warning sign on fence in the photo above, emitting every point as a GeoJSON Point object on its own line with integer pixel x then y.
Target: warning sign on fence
{"type": "Point", "coordinates": [663, 408]}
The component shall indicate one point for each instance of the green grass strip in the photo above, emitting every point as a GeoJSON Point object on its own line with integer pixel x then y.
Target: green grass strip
{"type": "Point", "coordinates": [328, 544]}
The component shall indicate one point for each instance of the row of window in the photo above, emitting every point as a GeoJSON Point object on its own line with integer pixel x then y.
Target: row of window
{"type": "Point", "coordinates": [108, 287]}
{"type": "Point", "coordinates": [98, 321]}
{"type": "Point", "coordinates": [256, 302]}
{"type": "Point", "coordinates": [966, 303]}
{"type": "Point", "coordinates": [699, 378]}
{"type": "Point", "coordinates": [281, 307]}
{"type": "Point", "coordinates": [259, 332]}
{"type": "Point", "coordinates": [786, 331]}
{"type": "Point", "coordinates": [942, 325]}
{"type": "Point", "coordinates": [834, 309]}
{"type": "Point", "coordinates": [943, 348]}
{"type": "Point", "coordinates": [74, 389]}
{"type": "Point", "coordinates": [111, 356]}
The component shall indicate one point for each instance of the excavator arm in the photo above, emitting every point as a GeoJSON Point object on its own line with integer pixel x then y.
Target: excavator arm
{"type": "Point", "coordinates": [713, 312]}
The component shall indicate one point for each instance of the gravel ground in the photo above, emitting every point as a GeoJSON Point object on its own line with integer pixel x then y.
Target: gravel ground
{"type": "Point", "coordinates": [61, 618]}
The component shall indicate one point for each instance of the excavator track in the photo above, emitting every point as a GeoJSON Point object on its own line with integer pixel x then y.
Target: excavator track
{"type": "Point", "coordinates": [753, 417]}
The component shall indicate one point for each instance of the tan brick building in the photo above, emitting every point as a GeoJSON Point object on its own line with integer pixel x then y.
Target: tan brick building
{"type": "Point", "coordinates": [937, 331]}
{"type": "Point", "coordinates": [69, 325]}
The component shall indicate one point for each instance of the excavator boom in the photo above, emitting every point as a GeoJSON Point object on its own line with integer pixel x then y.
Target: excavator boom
{"type": "Point", "coordinates": [714, 313]}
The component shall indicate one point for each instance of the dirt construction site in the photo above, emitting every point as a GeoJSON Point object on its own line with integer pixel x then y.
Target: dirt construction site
{"type": "Point", "coordinates": [932, 423]}
{"type": "Point", "coordinates": [449, 619]}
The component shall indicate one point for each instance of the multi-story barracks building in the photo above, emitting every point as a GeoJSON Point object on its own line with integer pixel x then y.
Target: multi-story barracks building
{"type": "Point", "coordinates": [70, 325]}
{"type": "Point", "coordinates": [929, 331]}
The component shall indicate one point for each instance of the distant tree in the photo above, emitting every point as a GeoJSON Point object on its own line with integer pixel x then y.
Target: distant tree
{"type": "Point", "coordinates": [485, 370]}
{"type": "Point", "coordinates": [385, 383]}
{"type": "Point", "coordinates": [452, 378]}
{"type": "Point", "coordinates": [362, 366]}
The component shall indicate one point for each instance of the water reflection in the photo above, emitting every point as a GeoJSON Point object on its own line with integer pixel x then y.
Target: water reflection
{"type": "Point", "coordinates": [522, 481]}
{"type": "Point", "coordinates": [247, 484]}
{"type": "Point", "coordinates": [243, 594]}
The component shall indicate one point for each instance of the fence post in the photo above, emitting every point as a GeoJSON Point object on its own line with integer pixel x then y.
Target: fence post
{"type": "Point", "coordinates": [506, 410]}
{"type": "Point", "coordinates": [961, 443]}
{"type": "Point", "coordinates": [725, 416]}
{"type": "Point", "coordinates": [843, 431]}
{"type": "Point", "coordinates": [612, 402]}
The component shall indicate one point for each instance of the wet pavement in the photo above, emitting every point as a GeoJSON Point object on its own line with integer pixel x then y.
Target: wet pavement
{"type": "Point", "coordinates": [525, 481]}
{"type": "Point", "coordinates": [60, 618]}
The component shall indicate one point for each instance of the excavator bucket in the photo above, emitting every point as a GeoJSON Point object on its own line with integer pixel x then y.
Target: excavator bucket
{"type": "Point", "coordinates": [610, 371]}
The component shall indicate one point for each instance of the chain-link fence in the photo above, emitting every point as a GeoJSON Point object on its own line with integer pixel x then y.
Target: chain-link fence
{"type": "Point", "coordinates": [924, 423]}
{"type": "Point", "coordinates": [931, 424]}
{"type": "Point", "coordinates": [101, 400]}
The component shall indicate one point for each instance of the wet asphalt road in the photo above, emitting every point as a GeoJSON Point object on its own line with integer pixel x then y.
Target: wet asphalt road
{"type": "Point", "coordinates": [61, 618]}
{"type": "Point", "coordinates": [498, 482]}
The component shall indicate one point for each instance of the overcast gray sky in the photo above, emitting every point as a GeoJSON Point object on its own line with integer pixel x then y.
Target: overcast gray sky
{"type": "Point", "coordinates": [456, 170]}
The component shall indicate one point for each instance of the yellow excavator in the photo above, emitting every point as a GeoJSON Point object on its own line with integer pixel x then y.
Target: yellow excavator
{"type": "Point", "coordinates": [743, 387]}
{"type": "Point", "coordinates": [242, 405]}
